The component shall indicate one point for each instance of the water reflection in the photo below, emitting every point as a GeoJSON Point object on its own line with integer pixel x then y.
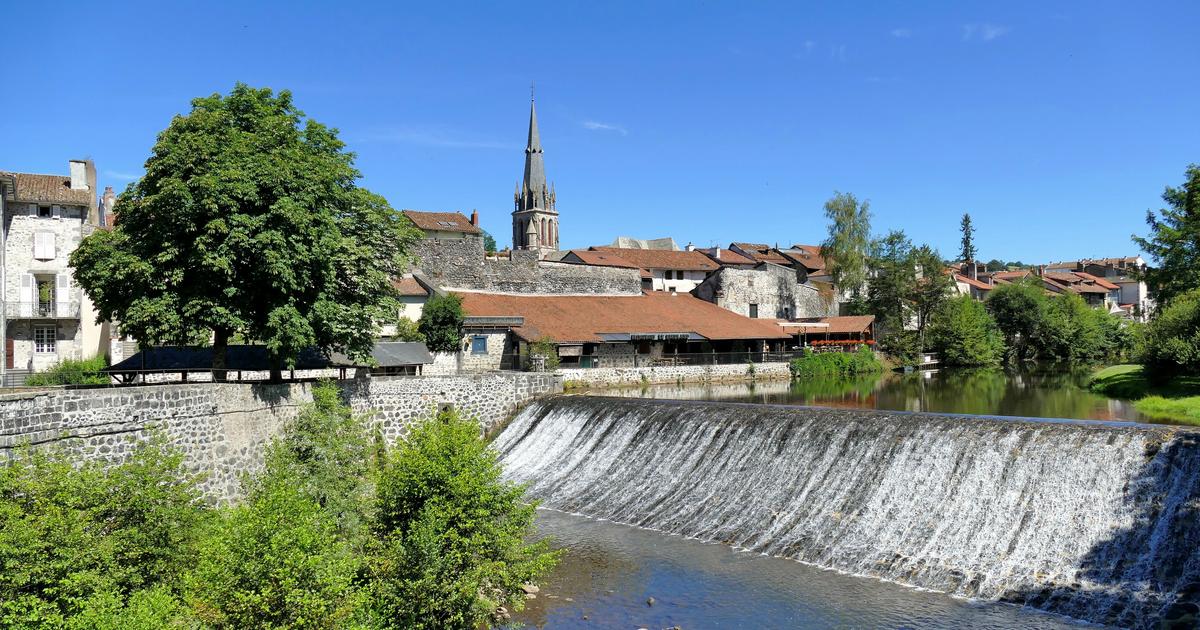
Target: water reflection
{"type": "Point", "coordinates": [1049, 394]}
{"type": "Point", "coordinates": [609, 571]}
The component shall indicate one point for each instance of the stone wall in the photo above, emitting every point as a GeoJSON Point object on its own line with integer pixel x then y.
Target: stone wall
{"type": "Point", "coordinates": [460, 264]}
{"type": "Point", "coordinates": [606, 376]}
{"type": "Point", "coordinates": [222, 428]}
{"type": "Point", "coordinates": [773, 288]}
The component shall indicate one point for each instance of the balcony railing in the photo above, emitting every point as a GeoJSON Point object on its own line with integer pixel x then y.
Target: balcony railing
{"type": "Point", "coordinates": [41, 310]}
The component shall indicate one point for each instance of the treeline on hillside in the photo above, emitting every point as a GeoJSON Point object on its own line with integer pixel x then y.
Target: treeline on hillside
{"type": "Point", "coordinates": [906, 288]}
{"type": "Point", "coordinates": [337, 531]}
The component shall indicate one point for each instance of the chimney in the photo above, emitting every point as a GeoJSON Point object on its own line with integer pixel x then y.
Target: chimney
{"type": "Point", "coordinates": [109, 201]}
{"type": "Point", "coordinates": [475, 218]}
{"type": "Point", "coordinates": [974, 271]}
{"type": "Point", "coordinates": [690, 247]}
{"type": "Point", "coordinates": [718, 253]}
{"type": "Point", "coordinates": [1041, 270]}
{"type": "Point", "coordinates": [79, 175]}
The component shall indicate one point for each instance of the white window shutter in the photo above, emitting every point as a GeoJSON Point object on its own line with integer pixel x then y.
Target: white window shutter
{"type": "Point", "coordinates": [57, 210]}
{"type": "Point", "coordinates": [50, 246]}
{"type": "Point", "coordinates": [26, 300]}
{"type": "Point", "coordinates": [62, 294]}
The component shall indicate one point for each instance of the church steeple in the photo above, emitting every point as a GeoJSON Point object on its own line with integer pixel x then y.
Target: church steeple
{"type": "Point", "coordinates": [535, 219]}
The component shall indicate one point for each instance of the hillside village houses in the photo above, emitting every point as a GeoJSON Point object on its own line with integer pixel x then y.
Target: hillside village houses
{"type": "Point", "coordinates": [45, 317]}
{"type": "Point", "coordinates": [631, 302]}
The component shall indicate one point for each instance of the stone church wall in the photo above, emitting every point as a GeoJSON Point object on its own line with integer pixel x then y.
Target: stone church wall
{"type": "Point", "coordinates": [223, 427]}
{"type": "Point", "coordinates": [460, 264]}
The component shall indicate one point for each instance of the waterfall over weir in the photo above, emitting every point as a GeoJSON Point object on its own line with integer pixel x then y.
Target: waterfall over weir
{"type": "Point", "coordinates": [1090, 520]}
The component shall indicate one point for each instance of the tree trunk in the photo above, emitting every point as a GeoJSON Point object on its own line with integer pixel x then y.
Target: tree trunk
{"type": "Point", "coordinates": [220, 350]}
{"type": "Point", "coordinates": [276, 370]}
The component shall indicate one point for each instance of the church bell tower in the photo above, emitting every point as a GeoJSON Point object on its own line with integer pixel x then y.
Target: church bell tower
{"type": "Point", "coordinates": [534, 217]}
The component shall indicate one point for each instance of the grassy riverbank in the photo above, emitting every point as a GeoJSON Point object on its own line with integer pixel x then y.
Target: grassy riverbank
{"type": "Point", "coordinates": [1176, 400]}
{"type": "Point", "coordinates": [835, 363]}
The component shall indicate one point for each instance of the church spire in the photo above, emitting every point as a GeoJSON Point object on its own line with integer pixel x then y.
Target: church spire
{"type": "Point", "coordinates": [535, 169]}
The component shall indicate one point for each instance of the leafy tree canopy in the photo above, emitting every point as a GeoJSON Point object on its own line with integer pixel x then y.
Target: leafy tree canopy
{"type": "Point", "coordinates": [1174, 240]}
{"type": "Point", "coordinates": [248, 222]}
{"type": "Point", "coordinates": [846, 247]}
{"type": "Point", "coordinates": [441, 323]}
{"type": "Point", "coordinates": [963, 333]}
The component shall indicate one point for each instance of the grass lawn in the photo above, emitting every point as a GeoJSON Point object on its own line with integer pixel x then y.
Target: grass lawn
{"type": "Point", "coordinates": [1177, 399]}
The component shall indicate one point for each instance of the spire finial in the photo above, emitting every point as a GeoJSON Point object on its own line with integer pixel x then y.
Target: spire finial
{"type": "Point", "coordinates": [531, 90]}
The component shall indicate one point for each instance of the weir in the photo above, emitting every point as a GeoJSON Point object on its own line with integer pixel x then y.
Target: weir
{"type": "Point", "coordinates": [1096, 521]}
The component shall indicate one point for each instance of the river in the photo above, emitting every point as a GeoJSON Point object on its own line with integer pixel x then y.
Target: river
{"type": "Point", "coordinates": [609, 571]}
{"type": "Point", "coordinates": [983, 392]}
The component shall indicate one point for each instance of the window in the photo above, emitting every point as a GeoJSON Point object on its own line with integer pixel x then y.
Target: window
{"type": "Point", "coordinates": [43, 245]}
{"type": "Point", "coordinates": [44, 211]}
{"type": "Point", "coordinates": [44, 341]}
{"type": "Point", "coordinates": [479, 344]}
{"type": "Point", "coordinates": [753, 311]}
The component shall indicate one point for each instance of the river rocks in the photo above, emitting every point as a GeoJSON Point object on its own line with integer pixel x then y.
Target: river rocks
{"type": "Point", "coordinates": [650, 601]}
{"type": "Point", "coordinates": [530, 589]}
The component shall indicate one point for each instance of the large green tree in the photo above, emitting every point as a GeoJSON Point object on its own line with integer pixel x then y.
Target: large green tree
{"type": "Point", "coordinates": [890, 288]}
{"type": "Point", "coordinates": [441, 323]}
{"type": "Point", "coordinates": [248, 222]}
{"type": "Point", "coordinates": [845, 248]}
{"type": "Point", "coordinates": [1174, 240]}
{"type": "Point", "coordinates": [1018, 309]}
{"type": "Point", "coordinates": [932, 288]}
{"type": "Point", "coordinates": [963, 334]}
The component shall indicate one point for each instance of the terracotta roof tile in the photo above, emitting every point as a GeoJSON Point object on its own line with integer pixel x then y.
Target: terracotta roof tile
{"type": "Point", "coordinates": [730, 257]}
{"type": "Point", "coordinates": [442, 221]}
{"type": "Point", "coordinates": [663, 259]}
{"type": "Point", "coordinates": [32, 188]}
{"type": "Point", "coordinates": [841, 324]}
{"type": "Point", "coordinates": [600, 259]}
{"type": "Point", "coordinates": [982, 286]}
{"type": "Point", "coordinates": [408, 286]}
{"type": "Point", "coordinates": [583, 318]}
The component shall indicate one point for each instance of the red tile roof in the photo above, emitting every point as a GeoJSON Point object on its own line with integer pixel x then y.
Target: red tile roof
{"type": "Point", "coordinates": [1087, 277]}
{"type": "Point", "coordinates": [729, 257]}
{"type": "Point", "coordinates": [441, 221]}
{"type": "Point", "coordinates": [982, 286]}
{"type": "Point", "coordinates": [408, 286]}
{"type": "Point", "coordinates": [583, 318]}
{"type": "Point", "coordinates": [840, 324]}
{"type": "Point", "coordinates": [602, 259]}
{"type": "Point", "coordinates": [32, 188]}
{"type": "Point", "coordinates": [662, 258]}
{"type": "Point", "coordinates": [762, 253]}
{"type": "Point", "coordinates": [807, 255]}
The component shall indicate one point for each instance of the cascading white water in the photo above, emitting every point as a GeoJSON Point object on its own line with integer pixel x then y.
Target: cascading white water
{"type": "Point", "coordinates": [1090, 520]}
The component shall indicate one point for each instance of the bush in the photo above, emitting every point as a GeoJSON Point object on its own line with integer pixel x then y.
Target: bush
{"type": "Point", "coordinates": [1171, 343]}
{"type": "Point", "coordinates": [453, 530]}
{"type": "Point", "coordinates": [901, 346]}
{"type": "Point", "coordinates": [441, 323]}
{"type": "Point", "coordinates": [72, 372]}
{"type": "Point", "coordinates": [407, 330]}
{"type": "Point", "coordinates": [546, 348]}
{"type": "Point", "coordinates": [964, 334]}
{"type": "Point", "coordinates": [835, 363]}
{"type": "Point", "coordinates": [1018, 310]}
{"type": "Point", "coordinates": [76, 535]}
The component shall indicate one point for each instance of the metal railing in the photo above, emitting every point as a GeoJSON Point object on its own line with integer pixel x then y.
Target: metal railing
{"type": "Point", "coordinates": [41, 310]}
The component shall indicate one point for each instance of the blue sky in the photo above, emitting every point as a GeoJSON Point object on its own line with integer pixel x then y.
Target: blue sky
{"type": "Point", "coordinates": [1056, 125]}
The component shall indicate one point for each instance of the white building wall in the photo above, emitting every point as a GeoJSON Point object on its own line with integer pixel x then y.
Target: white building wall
{"type": "Point", "coordinates": [660, 282]}
{"type": "Point", "coordinates": [65, 224]}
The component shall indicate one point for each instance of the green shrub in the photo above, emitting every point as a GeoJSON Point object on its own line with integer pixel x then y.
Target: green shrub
{"type": "Point", "coordinates": [407, 330]}
{"type": "Point", "coordinates": [963, 333]}
{"type": "Point", "coordinates": [835, 363]}
{"type": "Point", "coordinates": [1171, 343]}
{"type": "Point", "coordinates": [76, 535]}
{"type": "Point", "coordinates": [72, 372]}
{"type": "Point", "coordinates": [454, 532]}
{"type": "Point", "coordinates": [546, 348]}
{"type": "Point", "coordinates": [441, 323]}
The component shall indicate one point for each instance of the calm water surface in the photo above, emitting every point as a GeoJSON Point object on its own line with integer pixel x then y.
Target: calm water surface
{"type": "Point", "coordinates": [987, 392]}
{"type": "Point", "coordinates": [609, 571]}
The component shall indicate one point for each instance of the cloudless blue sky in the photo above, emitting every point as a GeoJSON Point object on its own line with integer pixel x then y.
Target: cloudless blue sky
{"type": "Point", "coordinates": [1056, 125]}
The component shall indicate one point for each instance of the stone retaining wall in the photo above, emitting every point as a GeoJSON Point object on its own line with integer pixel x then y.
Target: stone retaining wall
{"type": "Point", "coordinates": [222, 427]}
{"type": "Point", "coordinates": [602, 376]}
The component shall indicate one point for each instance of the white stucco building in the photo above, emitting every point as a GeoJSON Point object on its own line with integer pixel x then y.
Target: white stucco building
{"type": "Point", "coordinates": [46, 317]}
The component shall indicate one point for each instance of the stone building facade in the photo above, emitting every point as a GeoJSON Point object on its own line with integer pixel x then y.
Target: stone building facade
{"type": "Point", "coordinates": [47, 317]}
{"type": "Point", "coordinates": [767, 291]}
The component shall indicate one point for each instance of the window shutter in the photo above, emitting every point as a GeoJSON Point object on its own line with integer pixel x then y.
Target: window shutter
{"type": "Point", "coordinates": [26, 300]}
{"type": "Point", "coordinates": [57, 211]}
{"type": "Point", "coordinates": [43, 245]}
{"type": "Point", "coordinates": [62, 294]}
{"type": "Point", "coordinates": [50, 245]}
